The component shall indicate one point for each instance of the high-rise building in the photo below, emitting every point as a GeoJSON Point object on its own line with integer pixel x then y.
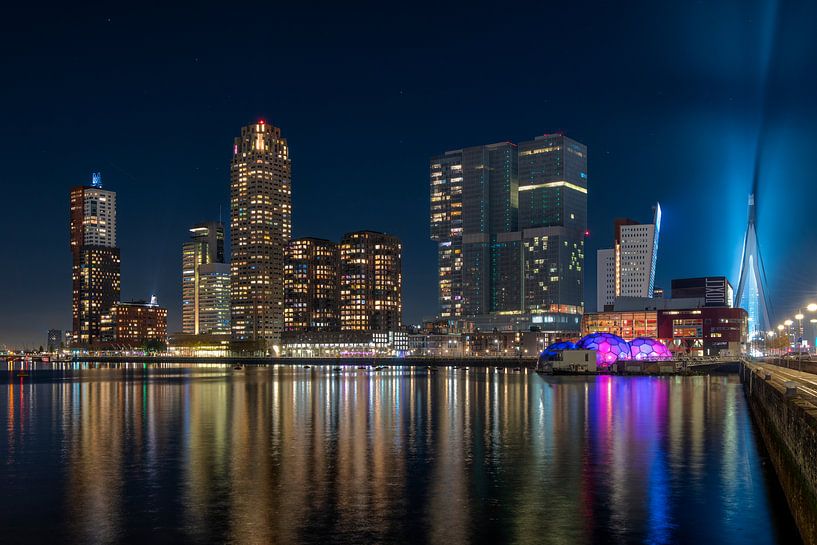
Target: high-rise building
{"type": "Point", "coordinates": [214, 299]}
{"type": "Point", "coordinates": [631, 271]}
{"type": "Point", "coordinates": [54, 340]}
{"type": "Point", "coordinates": [510, 223]}
{"type": "Point", "coordinates": [93, 215]}
{"type": "Point", "coordinates": [553, 222]}
{"type": "Point", "coordinates": [95, 258]}
{"type": "Point", "coordinates": [605, 278]}
{"type": "Point", "coordinates": [446, 229]}
{"type": "Point", "coordinates": [311, 287]}
{"type": "Point", "coordinates": [370, 275]}
{"type": "Point", "coordinates": [489, 207]}
{"type": "Point", "coordinates": [260, 228]}
{"type": "Point", "coordinates": [205, 282]}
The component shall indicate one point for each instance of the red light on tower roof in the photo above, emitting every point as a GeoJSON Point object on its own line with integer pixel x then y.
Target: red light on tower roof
{"type": "Point", "coordinates": [261, 121]}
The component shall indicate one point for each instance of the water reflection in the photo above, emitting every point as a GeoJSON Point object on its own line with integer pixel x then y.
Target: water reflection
{"type": "Point", "coordinates": [289, 455]}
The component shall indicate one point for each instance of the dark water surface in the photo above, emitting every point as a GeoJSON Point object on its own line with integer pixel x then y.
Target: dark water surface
{"type": "Point", "coordinates": [293, 455]}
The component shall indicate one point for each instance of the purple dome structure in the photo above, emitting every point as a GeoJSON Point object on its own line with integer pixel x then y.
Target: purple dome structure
{"type": "Point", "coordinates": [645, 348]}
{"type": "Point", "coordinates": [553, 350]}
{"type": "Point", "coordinates": [609, 348]}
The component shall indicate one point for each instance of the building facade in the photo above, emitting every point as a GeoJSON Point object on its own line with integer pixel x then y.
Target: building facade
{"type": "Point", "coordinates": [446, 229]}
{"type": "Point", "coordinates": [605, 278]}
{"type": "Point", "coordinates": [345, 344]}
{"type": "Point", "coordinates": [213, 299]}
{"type": "Point", "coordinates": [260, 228]}
{"type": "Point", "coordinates": [628, 269]}
{"type": "Point", "coordinates": [715, 291]}
{"type": "Point", "coordinates": [136, 324]}
{"type": "Point", "coordinates": [205, 282]}
{"type": "Point", "coordinates": [311, 289]}
{"type": "Point", "coordinates": [702, 331]}
{"type": "Point", "coordinates": [95, 259]}
{"type": "Point", "coordinates": [54, 340]}
{"type": "Point", "coordinates": [553, 220]}
{"type": "Point", "coordinates": [370, 281]}
{"type": "Point", "coordinates": [510, 222]}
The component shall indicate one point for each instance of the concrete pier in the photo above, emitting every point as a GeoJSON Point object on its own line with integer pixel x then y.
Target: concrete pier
{"type": "Point", "coordinates": [783, 403]}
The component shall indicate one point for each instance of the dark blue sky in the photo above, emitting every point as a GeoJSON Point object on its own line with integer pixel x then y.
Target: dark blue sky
{"type": "Point", "coordinates": [670, 98]}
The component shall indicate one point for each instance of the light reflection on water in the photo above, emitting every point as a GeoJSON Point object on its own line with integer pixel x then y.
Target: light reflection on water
{"type": "Point", "coordinates": [289, 455]}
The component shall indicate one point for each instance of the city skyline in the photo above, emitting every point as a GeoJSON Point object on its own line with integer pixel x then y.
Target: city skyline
{"type": "Point", "coordinates": [168, 179]}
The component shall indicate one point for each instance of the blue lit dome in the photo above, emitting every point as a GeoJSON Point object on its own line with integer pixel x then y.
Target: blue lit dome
{"type": "Point", "coordinates": [609, 348]}
{"type": "Point", "coordinates": [553, 350]}
{"type": "Point", "coordinates": [645, 348]}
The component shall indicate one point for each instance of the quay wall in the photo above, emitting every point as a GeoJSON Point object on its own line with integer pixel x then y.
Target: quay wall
{"type": "Point", "coordinates": [788, 426]}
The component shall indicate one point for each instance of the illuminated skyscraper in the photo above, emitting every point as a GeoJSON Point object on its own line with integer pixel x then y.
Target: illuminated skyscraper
{"type": "Point", "coordinates": [260, 228]}
{"type": "Point", "coordinates": [628, 269]}
{"type": "Point", "coordinates": [95, 259]}
{"type": "Point", "coordinates": [205, 282]}
{"type": "Point", "coordinates": [311, 285]}
{"type": "Point", "coordinates": [474, 199]}
{"type": "Point", "coordinates": [553, 223]}
{"type": "Point", "coordinates": [489, 208]}
{"type": "Point", "coordinates": [446, 229]}
{"type": "Point", "coordinates": [370, 282]}
{"type": "Point", "coordinates": [510, 223]}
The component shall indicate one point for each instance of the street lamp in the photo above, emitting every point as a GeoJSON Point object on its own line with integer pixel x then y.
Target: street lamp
{"type": "Point", "coordinates": [780, 328]}
{"type": "Point", "coordinates": [811, 307]}
{"type": "Point", "coordinates": [799, 317]}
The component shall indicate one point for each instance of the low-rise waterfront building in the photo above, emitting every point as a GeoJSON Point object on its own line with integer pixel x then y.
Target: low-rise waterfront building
{"type": "Point", "coordinates": [701, 331]}
{"type": "Point", "coordinates": [201, 345]}
{"type": "Point", "coordinates": [345, 344]}
{"type": "Point", "coordinates": [135, 324]}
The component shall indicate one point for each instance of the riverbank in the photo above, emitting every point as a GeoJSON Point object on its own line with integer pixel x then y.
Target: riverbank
{"type": "Point", "coordinates": [351, 362]}
{"type": "Point", "coordinates": [785, 411]}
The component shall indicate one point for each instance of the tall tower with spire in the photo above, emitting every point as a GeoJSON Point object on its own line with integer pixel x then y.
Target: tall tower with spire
{"type": "Point", "coordinates": [751, 292]}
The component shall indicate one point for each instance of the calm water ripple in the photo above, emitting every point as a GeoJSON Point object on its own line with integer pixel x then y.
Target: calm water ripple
{"type": "Point", "coordinates": [136, 454]}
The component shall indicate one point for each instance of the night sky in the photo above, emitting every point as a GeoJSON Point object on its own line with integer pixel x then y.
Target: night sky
{"type": "Point", "coordinates": [671, 99]}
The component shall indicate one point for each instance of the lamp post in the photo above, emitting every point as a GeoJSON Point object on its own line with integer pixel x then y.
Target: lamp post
{"type": "Point", "coordinates": [799, 318]}
{"type": "Point", "coordinates": [779, 330]}
{"type": "Point", "coordinates": [812, 307]}
{"type": "Point", "coordinates": [788, 323]}
{"type": "Point", "coordinates": [769, 336]}
{"type": "Point", "coordinates": [812, 322]}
